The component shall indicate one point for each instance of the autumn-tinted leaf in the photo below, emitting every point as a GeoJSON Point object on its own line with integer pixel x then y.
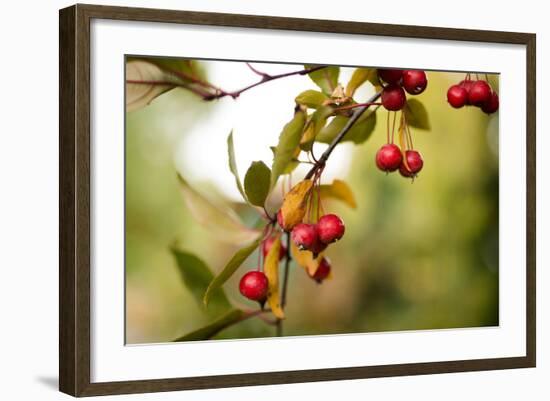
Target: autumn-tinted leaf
{"type": "Point", "coordinates": [271, 270]}
{"type": "Point", "coordinates": [233, 164]}
{"type": "Point", "coordinates": [305, 259]}
{"type": "Point", "coordinates": [139, 95]}
{"type": "Point", "coordinates": [289, 140]}
{"type": "Point", "coordinates": [210, 330]}
{"type": "Point", "coordinates": [257, 183]}
{"type": "Point", "coordinates": [294, 204]}
{"type": "Point", "coordinates": [417, 115]}
{"type": "Point", "coordinates": [311, 98]}
{"type": "Point", "coordinates": [326, 78]}
{"type": "Point", "coordinates": [359, 77]}
{"type": "Point", "coordinates": [401, 134]}
{"type": "Point", "coordinates": [228, 226]}
{"type": "Point", "coordinates": [359, 133]}
{"type": "Point", "coordinates": [196, 276]}
{"type": "Point", "coordinates": [185, 69]}
{"type": "Point", "coordinates": [234, 263]}
{"type": "Point", "coordinates": [339, 190]}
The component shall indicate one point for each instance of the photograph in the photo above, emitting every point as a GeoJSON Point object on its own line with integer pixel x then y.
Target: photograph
{"type": "Point", "coordinates": [269, 199]}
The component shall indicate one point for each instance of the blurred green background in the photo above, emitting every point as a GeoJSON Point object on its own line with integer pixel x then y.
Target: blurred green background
{"type": "Point", "coordinates": [415, 256]}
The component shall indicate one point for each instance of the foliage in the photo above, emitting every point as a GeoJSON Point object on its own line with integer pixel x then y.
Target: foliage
{"type": "Point", "coordinates": [329, 115]}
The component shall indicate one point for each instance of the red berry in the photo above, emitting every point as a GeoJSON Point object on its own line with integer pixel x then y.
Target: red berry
{"type": "Point", "coordinates": [466, 84]}
{"type": "Point", "coordinates": [479, 93]}
{"type": "Point", "coordinates": [414, 81]}
{"type": "Point", "coordinates": [389, 157]}
{"type": "Point", "coordinates": [491, 105]}
{"type": "Point", "coordinates": [415, 162]}
{"type": "Point", "coordinates": [323, 270]}
{"type": "Point", "coordinates": [457, 96]}
{"type": "Point", "coordinates": [268, 243]}
{"type": "Point", "coordinates": [253, 285]}
{"type": "Point", "coordinates": [305, 236]}
{"type": "Point", "coordinates": [393, 97]}
{"type": "Point", "coordinates": [330, 228]}
{"type": "Point", "coordinates": [390, 76]}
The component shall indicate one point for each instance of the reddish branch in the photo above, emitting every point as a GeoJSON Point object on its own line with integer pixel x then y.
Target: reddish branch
{"type": "Point", "coordinates": [210, 92]}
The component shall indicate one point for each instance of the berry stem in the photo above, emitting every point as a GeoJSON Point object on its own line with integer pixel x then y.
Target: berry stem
{"type": "Point", "coordinates": [388, 127]}
{"type": "Point", "coordinates": [358, 112]}
{"type": "Point", "coordinates": [393, 126]}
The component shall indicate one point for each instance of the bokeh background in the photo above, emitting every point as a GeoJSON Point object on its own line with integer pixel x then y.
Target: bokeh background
{"type": "Point", "coordinates": [415, 256]}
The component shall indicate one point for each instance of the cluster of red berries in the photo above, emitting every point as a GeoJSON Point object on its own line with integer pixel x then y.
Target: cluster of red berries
{"type": "Point", "coordinates": [389, 158]}
{"type": "Point", "coordinates": [476, 93]}
{"type": "Point", "coordinates": [396, 82]}
{"type": "Point", "coordinates": [316, 237]}
{"type": "Point", "coordinates": [312, 237]}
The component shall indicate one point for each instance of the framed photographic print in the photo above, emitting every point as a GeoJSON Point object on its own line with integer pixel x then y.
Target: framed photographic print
{"type": "Point", "coordinates": [250, 200]}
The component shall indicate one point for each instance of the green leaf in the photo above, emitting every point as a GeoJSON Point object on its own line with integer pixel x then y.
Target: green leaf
{"type": "Point", "coordinates": [289, 140]}
{"type": "Point", "coordinates": [359, 77]}
{"type": "Point", "coordinates": [417, 115]}
{"type": "Point", "coordinates": [359, 133]}
{"type": "Point", "coordinates": [257, 183]}
{"type": "Point", "coordinates": [314, 125]}
{"type": "Point", "coordinates": [228, 227]}
{"type": "Point", "coordinates": [311, 98]}
{"type": "Point", "coordinates": [233, 164]}
{"type": "Point", "coordinates": [234, 263]}
{"type": "Point", "coordinates": [210, 330]}
{"type": "Point", "coordinates": [196, 276]}
{"type": "Point", "coordinates": [325, 78]}
{"type": "Point", "coordinates": [290, 166]}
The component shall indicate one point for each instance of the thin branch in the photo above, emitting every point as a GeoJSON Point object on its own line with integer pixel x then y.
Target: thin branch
{"type": "Point", "coordinates": [210, 92]}
{"type": "Point", "coordinates": [353, 106]}
{"type": "Point", "coordinates": [288, 258]}
{"type": "Point", "coordinates": [353, 119]}
{"type": "Point", "coordinates": [256, 71]}
{"type": "Point", "coordinates": [265, 78]}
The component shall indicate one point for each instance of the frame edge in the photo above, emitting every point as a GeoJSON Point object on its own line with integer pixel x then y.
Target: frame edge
{"type": "Point", "coordinates": [74, 202]}
{"type": "Point", "coordinates": [67, 267]}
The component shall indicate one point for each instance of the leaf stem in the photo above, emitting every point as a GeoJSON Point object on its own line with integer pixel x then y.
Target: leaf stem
{"type": "Point", "coordinates": [358, 112]}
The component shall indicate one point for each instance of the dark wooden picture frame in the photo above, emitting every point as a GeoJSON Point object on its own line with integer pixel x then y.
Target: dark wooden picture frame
{"type": "Point", "coordinates": [74, 199]}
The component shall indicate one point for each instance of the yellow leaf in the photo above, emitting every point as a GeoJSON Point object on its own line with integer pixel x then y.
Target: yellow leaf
{"type": "Point", "coordinates": [305, 259]}
{"type": "Point", "coordinates": [294, 204]}
{"type": "Point", "coordinates": [339, 190]}
{"type": "Point", "coordinates": [271, 270]}
{"type": "Point", "coordinates": [403, 144]}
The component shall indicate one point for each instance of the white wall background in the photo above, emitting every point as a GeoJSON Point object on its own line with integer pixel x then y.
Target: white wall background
{"type": "Point", "coordinates": [29, 185]}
